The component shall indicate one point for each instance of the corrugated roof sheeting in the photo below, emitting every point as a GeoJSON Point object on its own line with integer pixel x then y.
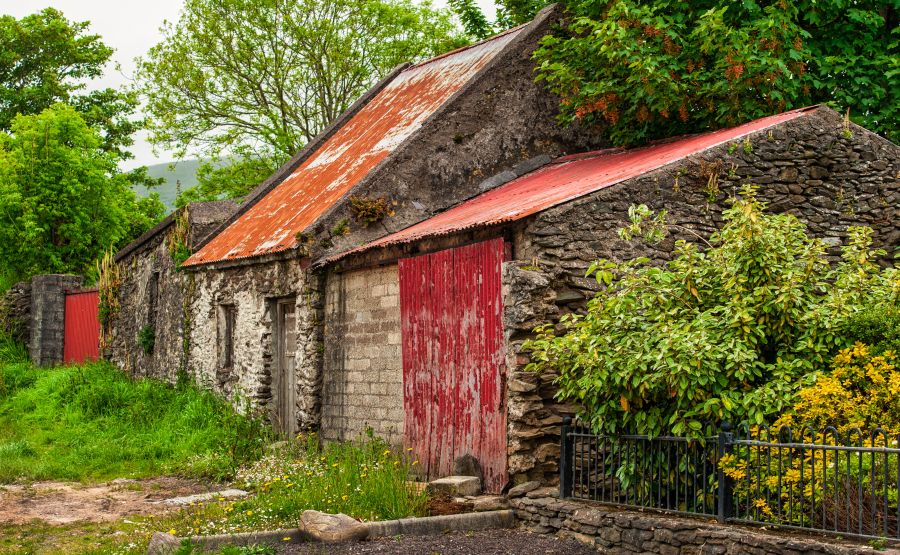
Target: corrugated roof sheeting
{"type": "Point", "coordinates": [566, 179]}
{"type": "Point", "coordinates": [379, 127]}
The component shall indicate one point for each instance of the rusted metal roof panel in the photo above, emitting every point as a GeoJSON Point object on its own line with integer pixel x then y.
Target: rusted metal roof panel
{"type": "Point", "coordinates": [354, 150]}
{"type": "Point", "coordinates": [566, 179]}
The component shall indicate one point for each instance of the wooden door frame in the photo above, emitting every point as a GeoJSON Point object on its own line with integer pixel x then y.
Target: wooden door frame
{"type": "Point", "coordinates": [283, 409]}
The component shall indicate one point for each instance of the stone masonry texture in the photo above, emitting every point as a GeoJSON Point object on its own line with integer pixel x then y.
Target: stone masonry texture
{"type": "Point", "coordinates": [622, 532]}
{"type": "Point", "coordinates": [363, 376]}
{"type": "Point", "coordinates": [48, 309]}
{"type": "Point", "coordinates": [15, 312]}
{"type": "Point", "coordinates": [829, 174]}
{"type": "Point", "coordinates": [155, 295]}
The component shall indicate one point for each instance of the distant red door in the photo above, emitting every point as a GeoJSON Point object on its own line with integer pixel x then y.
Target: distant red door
{"type": "Point", "coordinates": [81, 341]}
{"type": "Point", "coordinates": [454, 372]}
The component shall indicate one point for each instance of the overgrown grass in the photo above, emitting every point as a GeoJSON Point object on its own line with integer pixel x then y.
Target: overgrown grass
{"type": "Point", "coordinates": [91, 422]}
{"type": "Point", "coordinates": [366, 480]}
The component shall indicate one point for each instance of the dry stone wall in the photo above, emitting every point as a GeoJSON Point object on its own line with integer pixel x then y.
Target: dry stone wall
{"type": "Point", "coordinates": [621, 532]}
{"type": "Point", "coordinates": [15, 312]}
{"type": "Point", "coordinates": [363, 374]}
{"type": "Point", "coordinates": [827, 173]}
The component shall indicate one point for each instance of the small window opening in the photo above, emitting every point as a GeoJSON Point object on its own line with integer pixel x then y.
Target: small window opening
{"type": "Point", "coordinates": [227, 314]}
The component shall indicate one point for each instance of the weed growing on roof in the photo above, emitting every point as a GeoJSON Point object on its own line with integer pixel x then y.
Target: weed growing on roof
{"type": "Point", "coordinates": [368, 211]}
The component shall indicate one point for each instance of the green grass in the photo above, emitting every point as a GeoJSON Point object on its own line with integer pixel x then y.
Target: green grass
{"type": "Point", "coordinates": [367, 480]}
{"type": "Point", "coordinates": [91, 422]}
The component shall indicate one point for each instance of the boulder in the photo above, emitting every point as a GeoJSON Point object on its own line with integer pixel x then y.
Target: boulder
{"type": "Point", "coordinates": [522, 489]}
{"type": "Point", "coordinates": [163, 544]}
{"type": "Point", "coordinates": [455, 486]}
{"type": "Point", "coordinates": [326, 527]}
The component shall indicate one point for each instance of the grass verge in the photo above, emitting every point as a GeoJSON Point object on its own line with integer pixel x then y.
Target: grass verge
{"type": "Point", "coordinates": [366, 480]}
{"type": "Point", "coordinates": [91, 422]}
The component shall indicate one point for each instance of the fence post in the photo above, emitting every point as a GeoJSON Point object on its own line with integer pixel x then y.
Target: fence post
{"type": "Point", "coordinates": [566, 442]}
{"type": "Point", "coordinates": [726, 487]}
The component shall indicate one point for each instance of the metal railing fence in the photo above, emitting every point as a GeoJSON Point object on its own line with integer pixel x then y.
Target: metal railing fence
{"type": "Point", "coordinates": [825, 481]}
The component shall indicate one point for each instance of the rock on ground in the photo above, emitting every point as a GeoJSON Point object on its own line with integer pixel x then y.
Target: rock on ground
{"type": "Point", "coordinates": [326, 527]}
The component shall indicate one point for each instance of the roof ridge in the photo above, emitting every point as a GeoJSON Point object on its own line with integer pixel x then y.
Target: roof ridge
{"type": "Point", "coordinates": [469, 46]}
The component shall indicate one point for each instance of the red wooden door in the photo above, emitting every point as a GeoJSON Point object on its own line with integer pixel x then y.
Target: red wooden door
{"type": "Point", "coordinates": [454, 372]}
{"type": "Point", "coordinates": [81, 341]}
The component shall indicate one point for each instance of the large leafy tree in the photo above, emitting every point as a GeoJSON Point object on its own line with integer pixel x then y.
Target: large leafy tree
{"type": "Point", "coordinates": [46, 59]}
{"type": "Point", "coordinates": [726, 332]}
{"type": "Point", "coordinates": [651, 68]}
{"type": "Point", "coordinates": [63, 201]}
{"type": "Point", "coordinates": [256, 79]}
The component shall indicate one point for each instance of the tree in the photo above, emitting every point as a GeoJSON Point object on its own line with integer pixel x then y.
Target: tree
{"type": "Point", "coordinates": [63, 201]}
{"type": "Point", "coordinates": [257, 79]}
{"type": "Point", "coordinates": [46, 59]}
{"type": "Point", "coordinates": [729, 333]}
{"type": "Point", "coordinates": [646, 69]}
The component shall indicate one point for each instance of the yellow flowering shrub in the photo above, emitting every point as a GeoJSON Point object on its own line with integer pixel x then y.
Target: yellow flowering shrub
{"type": "Point", "coordinates": [777, 477]}
{"type": "Point", "coordinates": [862, 391]}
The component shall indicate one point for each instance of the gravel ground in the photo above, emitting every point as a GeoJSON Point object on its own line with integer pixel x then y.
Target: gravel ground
{"type": "Point", "coordinates": [488, 542]}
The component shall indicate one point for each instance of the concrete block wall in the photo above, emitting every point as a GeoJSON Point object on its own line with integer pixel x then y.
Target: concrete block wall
{"type": "Point", "coordinates": [363, 373]}
{"type": "Point", "coordinates": [48, 309]}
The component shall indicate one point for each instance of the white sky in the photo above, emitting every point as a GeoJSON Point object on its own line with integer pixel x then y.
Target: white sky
{"type": "Point", "coordinates": [131, 27]}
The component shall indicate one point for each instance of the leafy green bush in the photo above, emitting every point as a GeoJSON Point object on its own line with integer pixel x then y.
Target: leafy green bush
{"type": "Point", "coordinates": [147, 339]}
{"type": "Point", "coordinates": [93, 422]}
{"type": "Point", "coordinates": [729, 333]}
{"type": "Point", "coordinates": [878, 327]}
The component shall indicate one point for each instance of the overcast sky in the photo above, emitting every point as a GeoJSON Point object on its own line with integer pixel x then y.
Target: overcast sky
{"type": "Point", "coordinates": [131, 27]}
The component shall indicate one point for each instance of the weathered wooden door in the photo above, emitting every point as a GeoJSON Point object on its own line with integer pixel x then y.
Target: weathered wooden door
{"type": "Point", "coordinates": [284, 377]}
{"type": "Point", "coordinates": [81, 335]}
{"type": "Point", "coordinates": [454, 374]}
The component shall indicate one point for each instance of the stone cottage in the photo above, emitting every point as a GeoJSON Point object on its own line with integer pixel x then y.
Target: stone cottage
{"type": "Point", "coordinates": [461, 290]}
{"type": "Point", "coordinates": [143, 331]}
{"type": "Point", "coordinates": [386, 276]}
{"type": "Point", "coordinates": [426, 137]}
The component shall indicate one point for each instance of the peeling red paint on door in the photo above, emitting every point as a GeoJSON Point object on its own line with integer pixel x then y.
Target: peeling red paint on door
{"type": "Point", "coordinates": [454, 371]}
{"type": "Point", "coordinates": [81, 339]}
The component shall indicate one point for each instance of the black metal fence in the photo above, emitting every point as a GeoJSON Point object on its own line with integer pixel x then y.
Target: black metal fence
{"type": "Point", "coordinates": [814, 480]}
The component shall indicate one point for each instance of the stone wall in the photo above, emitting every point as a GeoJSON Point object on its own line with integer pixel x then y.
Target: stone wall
{"type": "Point", "coordinates": [829, 175]}
{"type": "Point", "coordinates": [363, 374]}
{"type": "Point", "coordinates": [620, 532]}
{"type": "Point", "coordinates": [48, 309]}
{"type": "Point", "coordinates": [154, 294]}
{"type": "Point", "coordinates": [253, 290]}
{"type": "Point", "coordinates": [15, 312]}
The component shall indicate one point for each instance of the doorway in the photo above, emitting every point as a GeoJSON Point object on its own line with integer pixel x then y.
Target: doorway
{"type": "Point", "coordinates": [284, 376]}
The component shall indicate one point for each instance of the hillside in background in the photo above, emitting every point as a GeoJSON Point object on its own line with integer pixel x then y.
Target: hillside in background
{"type": "Point", "coordinates": [182, 174]}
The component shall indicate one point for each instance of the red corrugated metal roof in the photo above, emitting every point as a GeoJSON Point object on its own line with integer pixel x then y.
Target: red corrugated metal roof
{"type": "Point", "coordinates": [566, 179]}
{"type": "Point", "coordinates": [394, 114]}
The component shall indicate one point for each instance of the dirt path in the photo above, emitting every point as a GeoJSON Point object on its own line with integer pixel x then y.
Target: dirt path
{"type": "Point", "coordinates": [65, 503]}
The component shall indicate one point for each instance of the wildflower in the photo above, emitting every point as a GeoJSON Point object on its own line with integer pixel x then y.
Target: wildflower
{"type": "Point", "coordinates": [172, 532]}
{"type": "Point", "coordinates": [286, 539]}
{"type": "Point", "coordinates": [249, 513]}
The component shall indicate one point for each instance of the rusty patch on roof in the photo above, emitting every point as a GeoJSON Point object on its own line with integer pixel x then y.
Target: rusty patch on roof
{"type": "Point", "coordinates": [379, 127]}
{"type": "Point", "coordinates": [566, 179]}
